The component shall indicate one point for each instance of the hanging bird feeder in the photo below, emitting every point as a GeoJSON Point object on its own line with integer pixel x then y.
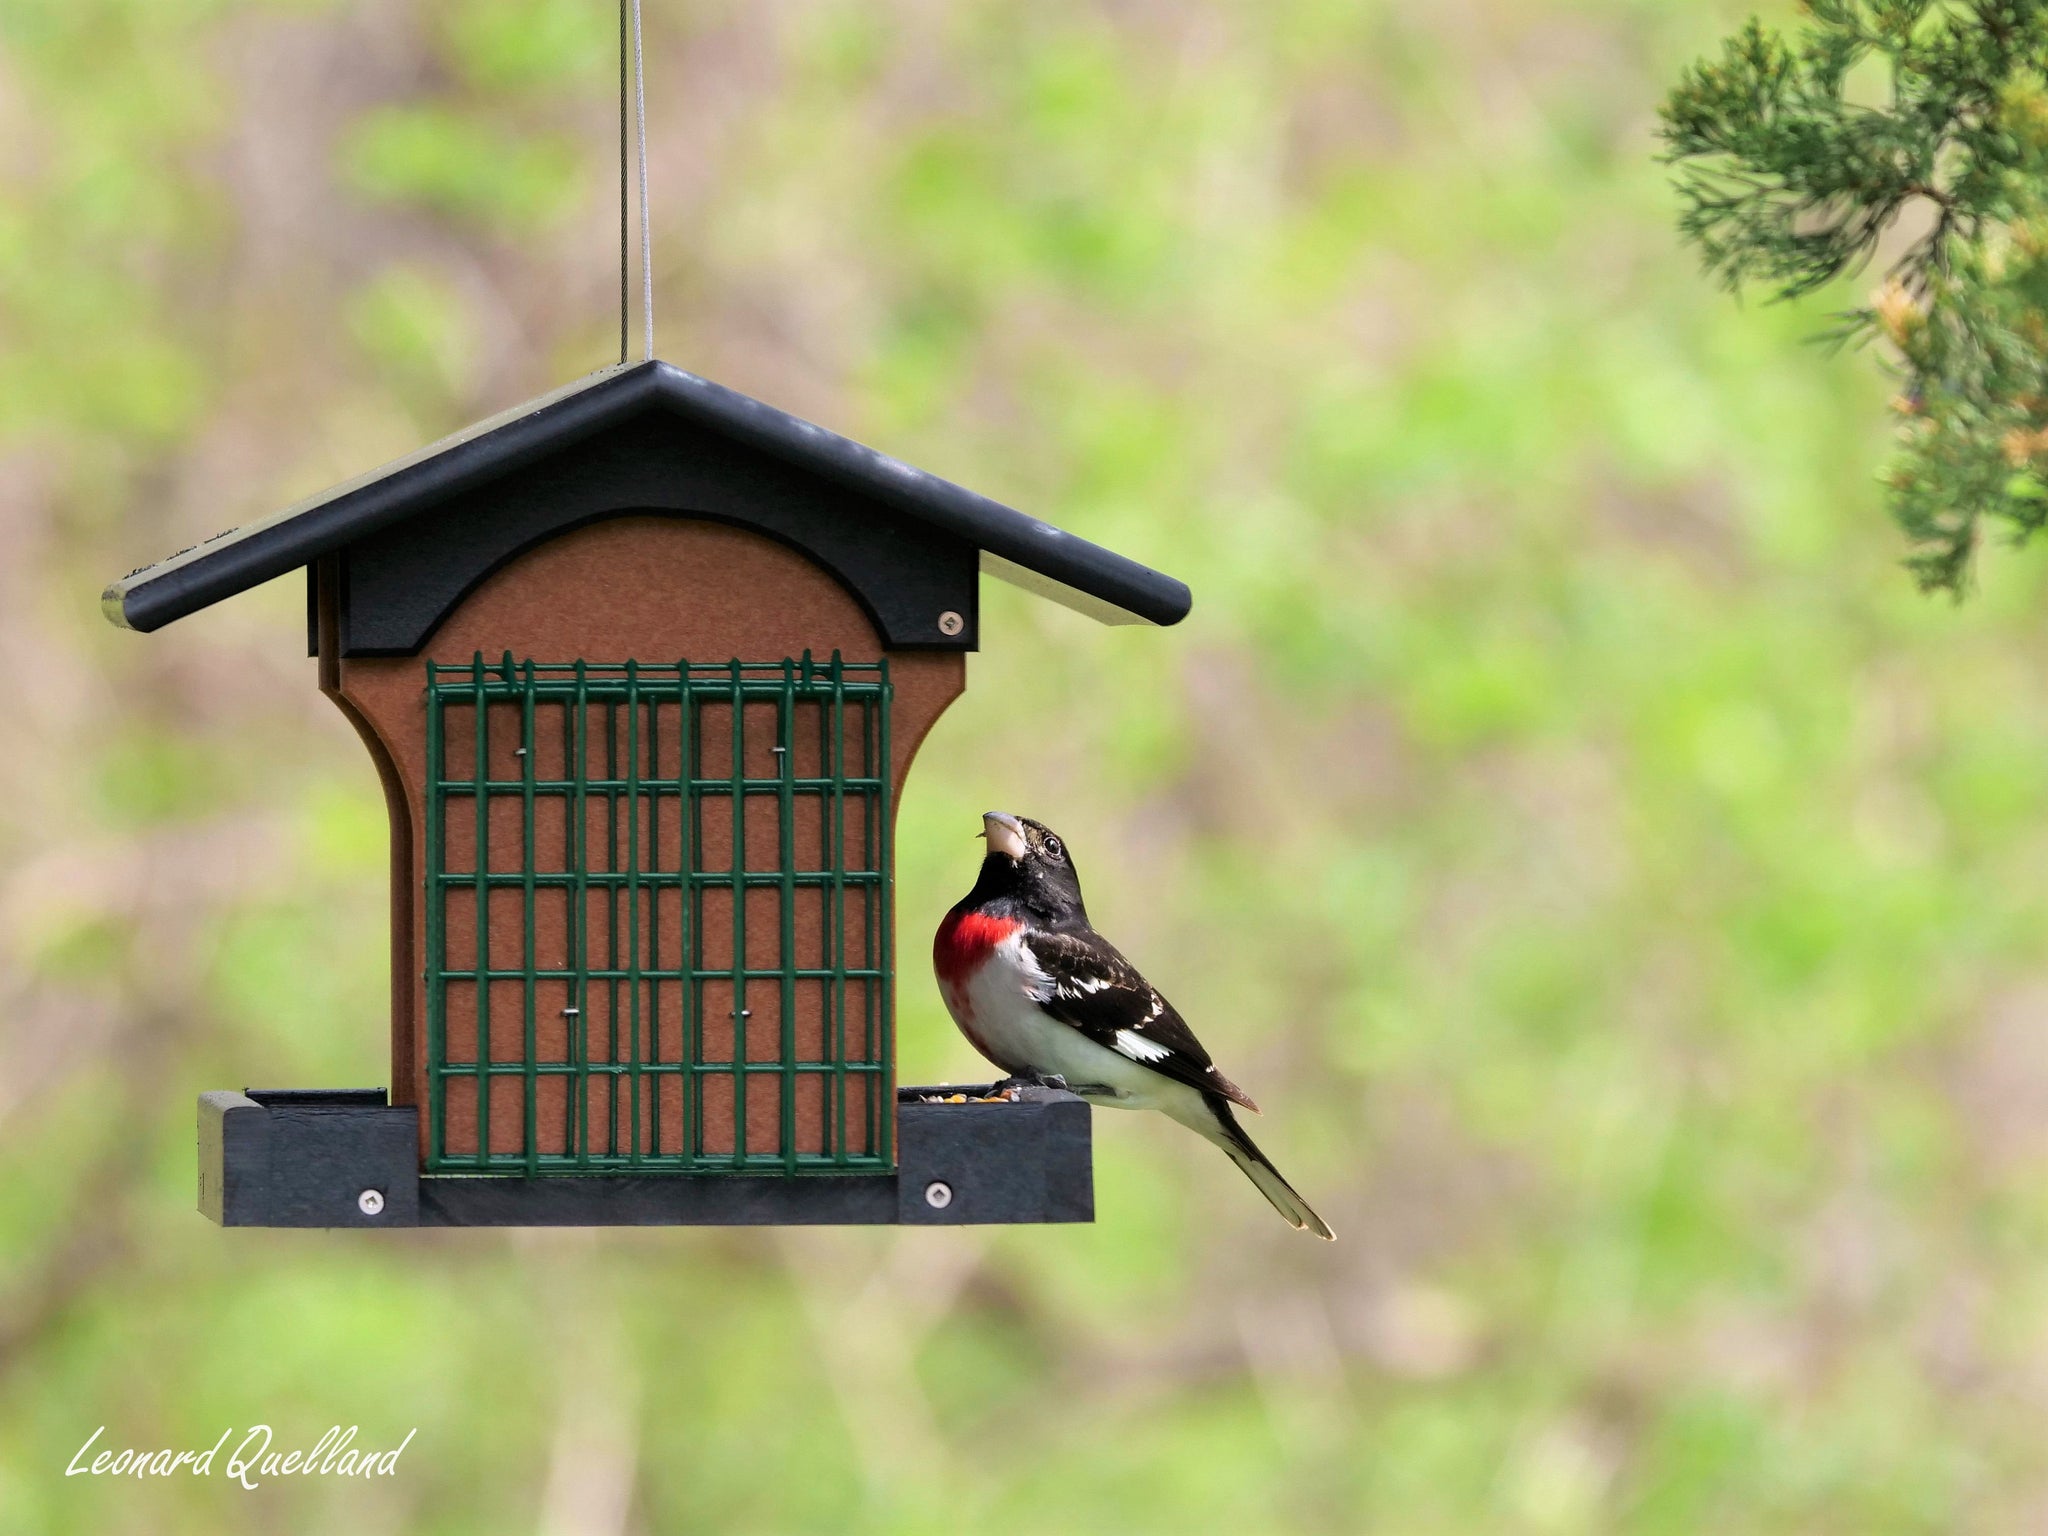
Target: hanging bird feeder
{"type": "Point", "coordinates": [642, 666]}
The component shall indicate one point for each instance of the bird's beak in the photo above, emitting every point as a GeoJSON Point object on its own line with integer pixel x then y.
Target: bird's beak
{"type": "Point", "coordinates": [1005, 834]}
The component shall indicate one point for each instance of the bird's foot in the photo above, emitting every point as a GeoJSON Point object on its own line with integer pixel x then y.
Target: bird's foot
{"type": "Point", "coordinates": [1010, 1087]}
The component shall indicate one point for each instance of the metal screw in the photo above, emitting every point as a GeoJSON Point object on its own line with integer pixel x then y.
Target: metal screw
{"type": "Point", "coordinates": [938, 1194]}
{"type": "Point", "coordinates": [950, 623]}
{"type": "Point", "coordinates": [371, 1202]}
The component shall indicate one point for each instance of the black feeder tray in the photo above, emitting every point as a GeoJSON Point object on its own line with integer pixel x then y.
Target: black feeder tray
{"type": "Point", "coordinates": [346, 1157]}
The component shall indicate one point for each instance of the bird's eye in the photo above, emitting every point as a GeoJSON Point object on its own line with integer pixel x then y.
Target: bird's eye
{"type": "Point", "coordinates": [1054, 848]}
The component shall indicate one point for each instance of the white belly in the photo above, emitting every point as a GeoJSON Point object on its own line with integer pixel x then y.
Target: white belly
{"type": "Point", "coordinates": [998, 1010]}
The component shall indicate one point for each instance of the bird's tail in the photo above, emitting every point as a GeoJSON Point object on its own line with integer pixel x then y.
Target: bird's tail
{"type": "Point", "coordinates": [1244, 1152]}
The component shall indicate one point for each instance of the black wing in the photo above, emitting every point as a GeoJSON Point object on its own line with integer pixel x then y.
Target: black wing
{"type": "Point", "coordinates": [1096, 990]}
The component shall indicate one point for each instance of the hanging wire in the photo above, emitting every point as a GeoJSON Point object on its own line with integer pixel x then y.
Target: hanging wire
{"type": "Point", "coordinates": [625, 274]}
{"type": "Point", "coordinates": [646, 228]}
{"type": "Point", "coordinates": [629, 32]}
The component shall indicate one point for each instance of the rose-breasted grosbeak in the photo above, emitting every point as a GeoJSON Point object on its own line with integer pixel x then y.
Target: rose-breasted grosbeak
{"type": "Point", "coordinates": [1042, 995]}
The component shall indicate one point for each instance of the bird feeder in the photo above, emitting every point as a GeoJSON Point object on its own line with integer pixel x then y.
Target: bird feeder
{"type": "Point", "coordinates": [642, 666]}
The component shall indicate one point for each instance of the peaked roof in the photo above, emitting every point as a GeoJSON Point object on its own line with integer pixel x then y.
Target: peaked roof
{"type": "Point", "coordinates": [1020, 549]}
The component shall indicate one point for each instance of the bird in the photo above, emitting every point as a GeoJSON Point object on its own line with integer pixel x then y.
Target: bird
{"type": "Point", "coordinates": [1045, 997]}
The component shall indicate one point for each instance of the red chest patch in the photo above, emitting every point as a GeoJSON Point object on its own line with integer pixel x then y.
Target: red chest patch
{"type": "Point", "coordinates": [964, 940]}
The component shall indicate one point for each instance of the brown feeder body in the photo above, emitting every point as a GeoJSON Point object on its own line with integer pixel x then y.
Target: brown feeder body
{"type": "Point", "coordinates": [640, 587]}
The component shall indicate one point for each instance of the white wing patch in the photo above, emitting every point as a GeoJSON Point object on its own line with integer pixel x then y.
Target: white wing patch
{"type": "Point", "coordinates": [1138, 1048]}
{"type": "Point", "coordinates": [1038, 986]}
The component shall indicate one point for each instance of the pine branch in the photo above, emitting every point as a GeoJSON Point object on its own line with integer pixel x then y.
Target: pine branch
{"type": "Point", "coordinates": [1789, 179]}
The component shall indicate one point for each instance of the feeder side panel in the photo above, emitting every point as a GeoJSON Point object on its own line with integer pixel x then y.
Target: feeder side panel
{"type": "Point", "coordinates": [404, 979]}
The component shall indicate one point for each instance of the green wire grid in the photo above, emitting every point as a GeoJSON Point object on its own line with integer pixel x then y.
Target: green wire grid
{"type": "Point", "coordinates": [628, 751]}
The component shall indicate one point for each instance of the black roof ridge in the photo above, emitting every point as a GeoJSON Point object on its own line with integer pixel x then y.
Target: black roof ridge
{"type": "Point", "coordinates": [1015, 546]}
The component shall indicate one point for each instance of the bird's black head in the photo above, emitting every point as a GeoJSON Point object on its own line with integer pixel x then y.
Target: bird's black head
{"type": "Point", "coordinates": [1027, 869]}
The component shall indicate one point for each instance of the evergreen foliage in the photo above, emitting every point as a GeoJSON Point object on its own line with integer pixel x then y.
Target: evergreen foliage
{"type": "Point", "coordinates": [1915, 131]}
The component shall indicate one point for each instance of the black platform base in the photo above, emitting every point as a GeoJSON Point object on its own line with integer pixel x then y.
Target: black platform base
{"type": "Point", "coordinates": [347, 1158]}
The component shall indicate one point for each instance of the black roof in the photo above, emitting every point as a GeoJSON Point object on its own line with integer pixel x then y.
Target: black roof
{"type": "Point", "coordinates": [1013, 546]}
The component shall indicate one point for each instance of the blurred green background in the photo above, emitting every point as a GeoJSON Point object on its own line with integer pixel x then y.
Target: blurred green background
{"type": "Point", "coordinates": [1624, 893]}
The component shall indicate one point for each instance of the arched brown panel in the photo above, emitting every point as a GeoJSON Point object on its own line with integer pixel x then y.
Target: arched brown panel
{"type": "Point", "coordinates": [639, 588]}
